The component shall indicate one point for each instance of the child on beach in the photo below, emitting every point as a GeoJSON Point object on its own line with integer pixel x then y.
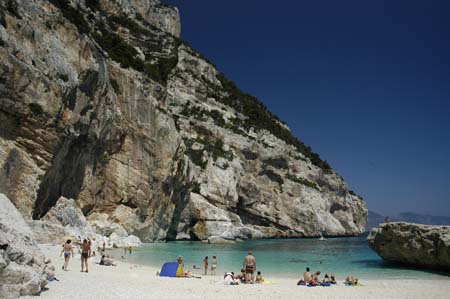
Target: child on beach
{"type": "Point", "coordinates": [259, 278]}
{"type": "Point", "coordinates": [205, 265]}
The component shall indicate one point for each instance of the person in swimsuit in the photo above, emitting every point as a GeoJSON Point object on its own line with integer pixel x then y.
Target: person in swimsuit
{"type": "Point", "coordinates": [180, 260]}
{"type": "Point", "coordinates": [214, 265]}
{"type": "Point", "coordinates": [85, 254]}
{"type": "Point", "coordinates": [250, 267]}
{"type": "Point", "coordinates": [259, 278]}
{"type": "Point", "coordinates": [205, 265]}
{"type": "Point", "coordinates": [68, 252]}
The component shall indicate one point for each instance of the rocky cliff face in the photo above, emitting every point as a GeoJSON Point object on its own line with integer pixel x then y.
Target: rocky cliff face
{"type": "Point", "coordinates": [23, 268]}
{"type": "Point", "coordinates": [100, 101]}
{"type": "Point", "coordinates": [415, 244]}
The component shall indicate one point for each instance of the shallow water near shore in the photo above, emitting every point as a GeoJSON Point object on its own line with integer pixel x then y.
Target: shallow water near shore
{"type": "Point", "coordinates": [281, 258]}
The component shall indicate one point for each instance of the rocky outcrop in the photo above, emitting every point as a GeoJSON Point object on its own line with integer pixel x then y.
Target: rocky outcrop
{"type": "Point", "coordinates": [414, 244]}
{"type": "Point", "coordinates": [65, 220]}
{"type": "Point", "coordinates": [23, 267]}
{"type": "Point", "coordinates": [101, 102]}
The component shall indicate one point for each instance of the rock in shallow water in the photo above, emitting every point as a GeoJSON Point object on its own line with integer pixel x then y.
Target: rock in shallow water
{"type": "Point", "coordinates": [23, 267]}
{"type": "Point", "coordinates": [414, 244]}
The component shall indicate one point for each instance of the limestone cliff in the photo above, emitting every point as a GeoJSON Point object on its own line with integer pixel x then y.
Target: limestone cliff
{"type": "Point", "coordinates": [100, 101]}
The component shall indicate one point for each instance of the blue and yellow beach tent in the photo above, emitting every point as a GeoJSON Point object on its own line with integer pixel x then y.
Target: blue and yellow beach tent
{"type": "Point", "coordinates": [172, 269]}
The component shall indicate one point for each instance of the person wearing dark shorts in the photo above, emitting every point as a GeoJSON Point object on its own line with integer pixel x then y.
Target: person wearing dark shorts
{"type": "Point", "coordinates": [85, 253]}
{"type": "Point", "coordinates": [250, 267]}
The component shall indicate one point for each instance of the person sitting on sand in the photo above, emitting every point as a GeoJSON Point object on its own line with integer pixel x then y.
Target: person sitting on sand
{"type": "Point", "coordinates": [241, 277]}
{"type": "Point", "coordinates": [230, 279]}
{"type": "Point", "coordinates": [307, 278]}
{"type": "Point", "coordinates": [106, 261]}
{"type": "Point", "coordinates": [333, 279]}
{"type": "Point", "coordinates": [68, 252]}
{"type": "Point", "coordinates": [250, 267]}
{"type": "Point", "coordinates": [314, 280]}
{"type": "Point", "coordinates": [326, 281]}
{"type": "Point", "coordinates": [259, 278]}
{"type": "Point", "coordinates": [351, 280]}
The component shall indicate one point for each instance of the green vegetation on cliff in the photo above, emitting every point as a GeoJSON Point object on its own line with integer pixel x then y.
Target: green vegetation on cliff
{"type": "Point", "coordinates": [260, 118]}
{"type": "Point", "coordinates": [158, 66]}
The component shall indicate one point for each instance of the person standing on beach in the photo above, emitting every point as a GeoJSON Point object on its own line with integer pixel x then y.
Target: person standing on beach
{"type": "Point", "coordinates": [213, 265]}
{"type": "Point", "coordinates": [85, 254]}
{"type": "Point", "coordinates": [250, 267]}
{"type": "Point", "coordinates": [129, 249]}
{"type": "Point", "coordinates": [68, 251]}
{"type": "Point", "coordinates": [180, 260]}
{"type": "Point", "coordinates": [205, 265]}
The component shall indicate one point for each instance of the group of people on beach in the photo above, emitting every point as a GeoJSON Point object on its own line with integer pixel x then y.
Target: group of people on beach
{"type": "Point", "coordinates": [313, 279]}
{"type": "Point", "coordinates": [247, 274]}
{"type": "Point", "coordinates": [85, 250]}
{"type": "Point", "coordinates": [309, 279]}
{"type": "Point", "coordinates": [213, 265]}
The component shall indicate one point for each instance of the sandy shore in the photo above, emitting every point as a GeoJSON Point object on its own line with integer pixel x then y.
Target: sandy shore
{"type": "Point", "coordinates": [133, 281]}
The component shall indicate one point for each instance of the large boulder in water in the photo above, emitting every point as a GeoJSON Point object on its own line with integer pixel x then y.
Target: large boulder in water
{"type": "Point", "coordinates": [23, 267]}
{"type": "Point", "coordinates": [414, 244]}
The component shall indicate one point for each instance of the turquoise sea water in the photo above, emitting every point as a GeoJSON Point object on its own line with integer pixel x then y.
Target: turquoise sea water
{"type": "Point", "coordinates": [281, 258]}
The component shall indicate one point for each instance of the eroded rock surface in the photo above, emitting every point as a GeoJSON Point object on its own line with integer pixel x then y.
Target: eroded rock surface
{"type": "Point", "coordinates": [23, 267]}
{"type": "Point", "coordinates": [65, 220]}
{"type": "Point", "coordinates": [101, 102]}
{"type": "Point", "coordinates": [414, 244]}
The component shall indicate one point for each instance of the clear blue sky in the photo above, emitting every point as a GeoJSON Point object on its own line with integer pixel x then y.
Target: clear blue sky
{"type": "Point", "coordinates": [365, 83]}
